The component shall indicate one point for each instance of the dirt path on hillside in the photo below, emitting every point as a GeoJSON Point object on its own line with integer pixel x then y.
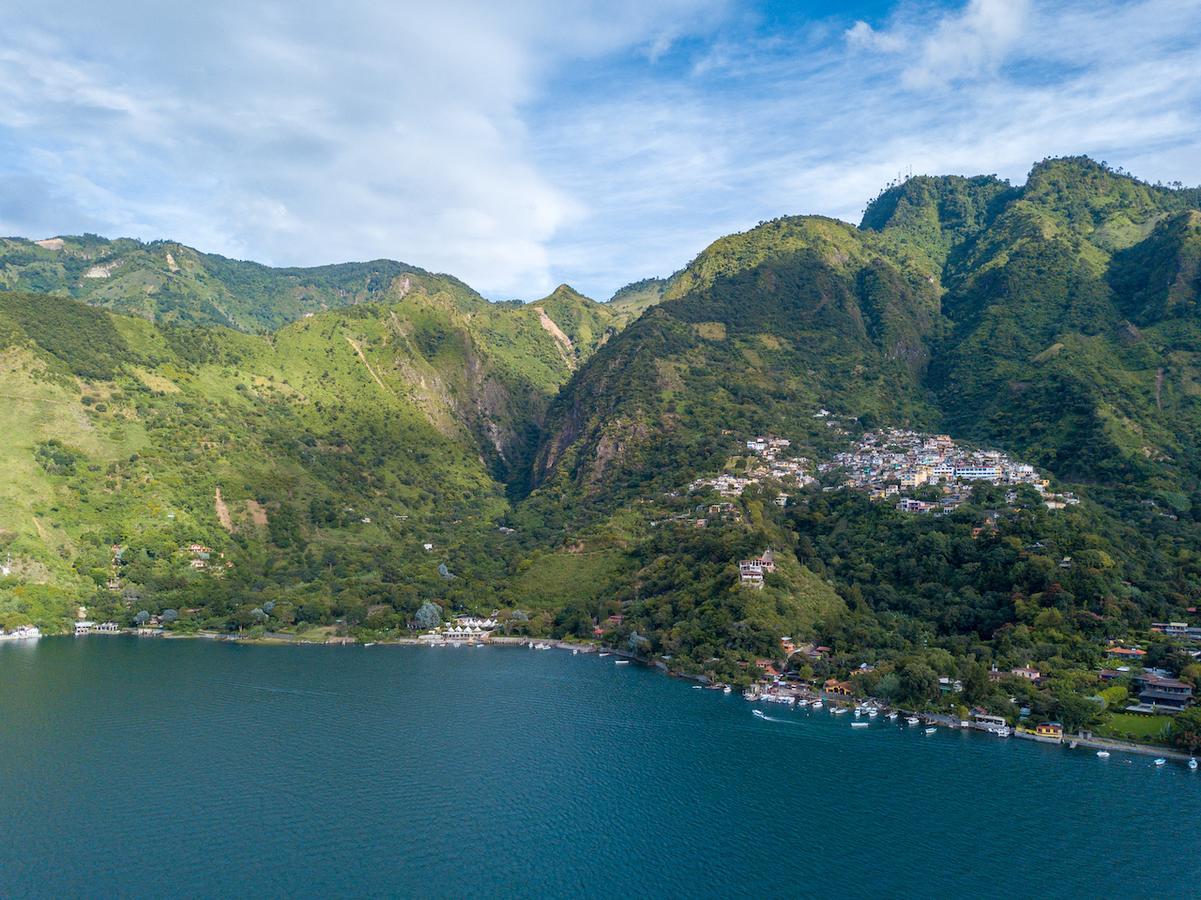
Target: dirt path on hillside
{"type": "Point", "coordinates": [222, 511]}
{"type": "Point", "coordinates": [359, 351]}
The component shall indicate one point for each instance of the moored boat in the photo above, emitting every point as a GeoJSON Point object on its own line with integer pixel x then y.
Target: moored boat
{"type": "Point", "coordinates": [912, 720]}
{"type": "Point", "coordinates": [1103, 754]}
{"type": "Point", "coordinates": [1161, 762]}
{"type": "Point", "coordinates": [622, 662]}
{"type": "Point", "coordinates": [859, 724]}
{"type": "Point", "coordinates": [931, 730]}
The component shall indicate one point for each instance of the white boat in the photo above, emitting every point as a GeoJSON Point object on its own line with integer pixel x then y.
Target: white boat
{"type": "Point", "coordinates": [892, 716]}
{"type": "Point", "coordinates": [912, 720]}
{"type": "Point", "coordinates": [759, 713]}
{"type": "Point", "coordinates": [817, 704]}
{"type": "Point", "coordinates": [602, 655]}
{"type": "Point", "coordinates": [696, 687]}
{"type": "Point", "coordinates": [622, 662]}
{"type": "Point", "coordinates": [838, 710]}
{"type": "Point", "coordinates": [859, 724]}
{"type": "Point", "coordinates": [369, 644]}
{"type": "Point", "coordinates": [1161, 761]}
{"type": "Point", "coordinates": [931, 730]}
{"type": "Point", "coordinates": [727, 689]}
{"type": "Point", "coordinates": [872, 713]}
{"type": "Point", "coordinates": [1103, 754]}
{"type": "Point", "coordinates": [1192, 764]}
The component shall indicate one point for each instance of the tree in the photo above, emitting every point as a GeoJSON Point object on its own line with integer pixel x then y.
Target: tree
{"type": "Point", "coordinates": [1186, 729]}
{"type": "Point", "coordinates": [1075, 711]}
{"type": "Point", "coordinates": [428, 616]}
{"type": "Point", "coordinates": [141, 618]}
{"type": "Point", "coordinates": [919, 683]}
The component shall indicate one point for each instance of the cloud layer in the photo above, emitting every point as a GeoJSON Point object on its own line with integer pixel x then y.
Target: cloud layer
{"type": "Point", "coordinates": [556, 141]}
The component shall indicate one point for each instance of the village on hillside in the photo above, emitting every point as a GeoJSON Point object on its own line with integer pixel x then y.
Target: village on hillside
{"type": "Point", "coordinates": [889, 465]}
{"type": "Point", "coordinates": [894, 462]}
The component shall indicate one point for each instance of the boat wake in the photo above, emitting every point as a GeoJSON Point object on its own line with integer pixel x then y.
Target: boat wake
{"type": "Point", "coordinates": [760, 714]}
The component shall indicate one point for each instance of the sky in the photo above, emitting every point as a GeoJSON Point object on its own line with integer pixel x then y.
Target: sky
{"type": "Point", "coordinates": [525, 144]}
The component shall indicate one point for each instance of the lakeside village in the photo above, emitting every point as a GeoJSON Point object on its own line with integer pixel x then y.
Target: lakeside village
{"type": "Point", "coordinates": [1157, 693]}
{"type": "Point", "coordinates": [887, 465]}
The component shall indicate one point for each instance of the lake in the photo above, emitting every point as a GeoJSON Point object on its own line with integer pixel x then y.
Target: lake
{"type": "Point", "coordinates": [171, 767]}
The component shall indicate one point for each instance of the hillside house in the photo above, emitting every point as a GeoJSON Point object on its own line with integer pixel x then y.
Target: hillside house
{"type": "Point", "coordinates": [1163, 694]}
{"type": "Point", "coordinates": [1126, 653]}
{"type": "Point", "coordinates": [751, 571]}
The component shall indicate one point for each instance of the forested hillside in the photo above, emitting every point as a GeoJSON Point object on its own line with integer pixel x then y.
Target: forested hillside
{"type": "Point", "coordinates": [562, 462]}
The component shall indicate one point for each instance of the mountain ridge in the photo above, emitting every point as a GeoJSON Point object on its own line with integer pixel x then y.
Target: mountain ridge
{"type": "Point", "coordinates": [558, 457]}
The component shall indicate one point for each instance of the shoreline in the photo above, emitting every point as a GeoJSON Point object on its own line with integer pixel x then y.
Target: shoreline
{"type": "Point", "coordinates": [1088, 741]}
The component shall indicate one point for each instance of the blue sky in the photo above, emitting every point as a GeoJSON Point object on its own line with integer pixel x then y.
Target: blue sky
{"type": "Point", "coordinates": [524, 144]}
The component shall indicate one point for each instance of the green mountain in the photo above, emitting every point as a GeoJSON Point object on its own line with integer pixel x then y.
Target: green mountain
{"type": "Point", "coordinates": [166, 281]}
{"type": "Point", "coordinates": [339, 444]}
{"type": "Point", "coordinates": [1054, 321]}
{"type": "Point", "coordinates": [560, 457]}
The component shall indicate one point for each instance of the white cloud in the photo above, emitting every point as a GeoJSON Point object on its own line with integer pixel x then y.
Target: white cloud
{"type": "Point", "coordinates": [300, 133]}
{"type": "Point", "coordinates": [520, 146]}
{"type": "Point", "coordinates": [950, 47]}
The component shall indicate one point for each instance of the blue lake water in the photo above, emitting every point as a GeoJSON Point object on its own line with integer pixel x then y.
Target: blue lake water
{"type": "Point", "coordinates": [167, 768]}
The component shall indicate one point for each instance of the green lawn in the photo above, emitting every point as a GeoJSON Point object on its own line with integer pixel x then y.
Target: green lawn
{"type": "Point", "coordinates": [1134, 726]}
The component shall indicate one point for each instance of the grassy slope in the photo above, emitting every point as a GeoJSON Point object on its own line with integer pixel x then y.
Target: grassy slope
{"type": "Point", "coordinates": [402, 413]}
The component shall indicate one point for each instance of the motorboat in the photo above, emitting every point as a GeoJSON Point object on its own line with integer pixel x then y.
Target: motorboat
{"type": "Point", "coordinates": [622, 662]}
{"type": "Point", "coordinates": [1102, 754]}
{"type": "Point", "coordinates": [759, 713]}
{"type": "Point", "coordinates": [1161, 762]}
{"type": "Point", "coordinates": [931, 730]}
{"type": "Point", "coordinates": [727, 689]}
{"type": "Point", "coordinates": [859, 724]}
{"type": "Point", "coordinates": [912, 720]}
{"type": "Point", "coordinates": [1192, 764]}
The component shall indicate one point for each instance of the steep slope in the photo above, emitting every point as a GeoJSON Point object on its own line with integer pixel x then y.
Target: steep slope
{"type": "Point", "coordinates": [764, 329]}
{"type": "Point", "coordinates": [637, 297]}
{"type": "Point", "coordinates": [318, 460]}
{"type": "Point", "coordinates": [579, 324]}
{"type": "Point", "coordinates": [166, 281]}
{"type": "Point", "coordinates": [1041, 355]}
